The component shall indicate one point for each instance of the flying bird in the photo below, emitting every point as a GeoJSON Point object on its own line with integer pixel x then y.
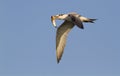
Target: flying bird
{"type": "Point", "coordinates": [70, 20]}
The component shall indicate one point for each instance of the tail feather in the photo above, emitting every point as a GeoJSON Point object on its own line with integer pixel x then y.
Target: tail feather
{"type": "Point", "coordinates": [91, 20]}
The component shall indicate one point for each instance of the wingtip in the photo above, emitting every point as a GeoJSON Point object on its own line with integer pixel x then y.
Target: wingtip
{"type": "Point", "coordinates": [82, 27]}
{"type": "Point", "coordinates": [58, 61]}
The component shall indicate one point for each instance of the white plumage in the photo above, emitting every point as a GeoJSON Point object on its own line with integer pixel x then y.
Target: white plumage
{"type": "Point", "coordinates": [71, 19]}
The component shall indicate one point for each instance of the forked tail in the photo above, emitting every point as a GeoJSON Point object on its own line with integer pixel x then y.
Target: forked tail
{"type": "Point", "coordinates": [91, 20]}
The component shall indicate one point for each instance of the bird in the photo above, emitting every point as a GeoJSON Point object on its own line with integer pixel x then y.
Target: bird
{"type": "Point", "coordinates": [70, 20]}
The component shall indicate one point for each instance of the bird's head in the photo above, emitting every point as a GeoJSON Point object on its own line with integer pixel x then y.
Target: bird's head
{"type": "Point", "coordinates": [58, 17]}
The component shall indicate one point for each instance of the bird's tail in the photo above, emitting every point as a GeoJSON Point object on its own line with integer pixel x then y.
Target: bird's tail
{"type": "Point", "coordinates": [84, 19]}
{"type": "Point", "coordinates": [90, 20]}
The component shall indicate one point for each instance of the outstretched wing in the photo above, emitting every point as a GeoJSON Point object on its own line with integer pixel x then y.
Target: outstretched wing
{"type": "Point", "coordinates": [61, 36]}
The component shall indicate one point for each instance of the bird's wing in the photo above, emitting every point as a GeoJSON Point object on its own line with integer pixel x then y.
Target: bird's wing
{"type": "Point", "coordinates": [77, 21]}
{"type": "Point", "coordinates": [61, 36]}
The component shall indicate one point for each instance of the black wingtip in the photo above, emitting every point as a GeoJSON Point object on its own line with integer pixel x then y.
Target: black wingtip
{"type": "Point", "coordinates": [58, 61]}
{"type": "Point", "coordinates": [81, 27]}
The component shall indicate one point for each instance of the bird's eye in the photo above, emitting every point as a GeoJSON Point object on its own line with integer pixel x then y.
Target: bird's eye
{"type": "Point", "coordinates": [61, 14]}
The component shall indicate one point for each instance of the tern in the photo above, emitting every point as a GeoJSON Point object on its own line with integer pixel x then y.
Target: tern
{"type": "Point", "coordinates": [70, 20]}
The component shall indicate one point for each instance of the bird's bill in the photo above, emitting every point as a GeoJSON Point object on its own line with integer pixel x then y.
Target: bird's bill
{"type": "Point", "coordinates": [53, 18]}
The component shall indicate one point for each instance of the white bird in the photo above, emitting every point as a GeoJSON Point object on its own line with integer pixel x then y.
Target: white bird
{"type": "Point", "coordinates": [71, 19]}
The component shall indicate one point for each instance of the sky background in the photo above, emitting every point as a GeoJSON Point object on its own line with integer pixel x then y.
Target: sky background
{"type": "Point", "coordinates": [27, 38]}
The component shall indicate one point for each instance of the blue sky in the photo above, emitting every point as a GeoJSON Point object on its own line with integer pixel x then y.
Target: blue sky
{"type": "Point", "coordinates": [27, 39]}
